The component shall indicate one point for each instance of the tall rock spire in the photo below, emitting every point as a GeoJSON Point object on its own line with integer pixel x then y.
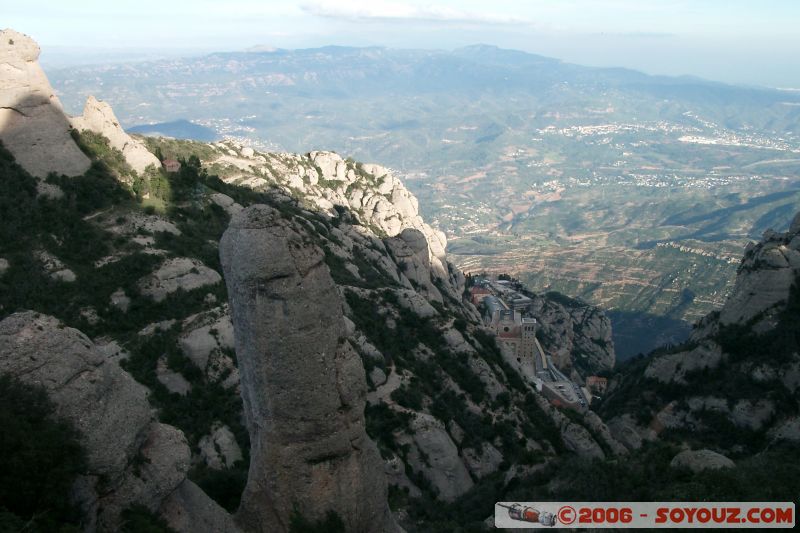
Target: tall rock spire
{"type": "Point", "coordinates": [100, 118]}
{"type": "Point", "coordinates": [302, 383]}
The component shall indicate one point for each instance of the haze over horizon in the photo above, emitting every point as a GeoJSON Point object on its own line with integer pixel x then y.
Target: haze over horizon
{"type": "Point", "coordinates": [735, 41]}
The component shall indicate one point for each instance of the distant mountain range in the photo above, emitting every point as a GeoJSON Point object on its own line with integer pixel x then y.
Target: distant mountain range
{"type": "Point", "coordinates": [178, 129]}
{"type": "Point", "coordinates": [631, 191]}
{"type": "Point", "coordinates": [344, 73]}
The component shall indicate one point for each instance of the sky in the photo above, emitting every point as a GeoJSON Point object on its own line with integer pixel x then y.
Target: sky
{"type": "Point", "coordinates": [736, 41]}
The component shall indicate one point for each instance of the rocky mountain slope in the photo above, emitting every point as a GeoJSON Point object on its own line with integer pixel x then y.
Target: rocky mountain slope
{"type": "Point", "coordinates": [631, 192]}
{"type": "Point", "coordinates": [740, 370]}
{"type": "Point", "coordinates": [112, 299]}
{"type": "Point", "coordinates": [275, 342]}
{"type": "Point", "coordinates": [715, 417]}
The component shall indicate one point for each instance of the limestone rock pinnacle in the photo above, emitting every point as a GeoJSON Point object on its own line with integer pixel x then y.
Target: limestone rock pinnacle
{"type": "Point", "coordinates": [99, 118]}
{"type": "Point", "coordinates": [303, 385]}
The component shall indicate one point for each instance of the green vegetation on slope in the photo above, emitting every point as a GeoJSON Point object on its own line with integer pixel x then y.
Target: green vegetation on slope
{"type": "Point", "coordinates": [40, 457]}
{"type": "Point", "coordinates": [645, 397]}
{"type": "Point", "coordinates": [60, 226]}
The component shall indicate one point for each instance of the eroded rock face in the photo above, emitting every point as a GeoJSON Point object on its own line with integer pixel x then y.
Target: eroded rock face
{"type": "Point", "coordinates": [33, 126]}
{"type": "Point", "coordinates": [109, 409]}
{"type": "Point", "coordinates": [579, 440]}
{"type": "Point", "coordinates": [756, 303]}
{"type": "Point", "coordinates": [675, 367]}
{"type": "Point", "coordinates": [99, 118]}
{"type": "Point", "coordinates": [177, 273]}
{"type": "Point", "coordinates": [765, 276]}
{"type": "Point", "coordinates": [219, 449]}
{"type": "Point", "coordinates": [433, 453]}
{"type": "Point", "coordinates": [601, 430]}
{"type": "Point", "coordinates": [624, 430]}
{"type": "Point", "coordinates": [411, 251]}
{"type": "Point", "coordinates": [206, 333]}
{"type": "Point", "coordinates": [577, 335]}
{"type": "Point", "coordinates": [485, 462]}
{"type": "Point", "coordinates": [303, 385]}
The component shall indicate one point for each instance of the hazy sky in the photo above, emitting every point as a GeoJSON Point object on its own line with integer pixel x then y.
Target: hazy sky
{"type": "Point", "coordinates": [742, 41]}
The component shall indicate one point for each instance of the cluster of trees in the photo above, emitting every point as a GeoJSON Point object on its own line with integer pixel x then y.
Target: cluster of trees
{"type": "Point", "coordinates": [40, 457]}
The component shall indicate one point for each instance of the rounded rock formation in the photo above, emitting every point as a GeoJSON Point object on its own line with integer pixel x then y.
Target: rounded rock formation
{"type": "Point", "coordinates": [699, 460]}
{"type": "Point", "coordinates": [33, 126]}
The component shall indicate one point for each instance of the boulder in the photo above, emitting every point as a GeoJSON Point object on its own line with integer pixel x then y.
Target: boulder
{"type": "Point", "coordinates": [788, 430]}
{"type": "Point", "coordinates": [751, 414]}
{"type": "Point", "coordinates": [699, 460]}
{"type": "Point", "coordinates": [173, 381]}
{"type": "Point", "coordinates": [54, 268]}
{"type": "Point", "coordinates": [456, 432]}
{"type": "Point", "coordinates": [206, 333]}
{"type": "Point", "coordinates": [302, 383]}
{"type": "Point", "coordinates": [108, 407]}
{"type": "Point", "coordinates": [595, 423]}
{"type": "Point", "coordinates": [120, 300]}
{"type": "Point", "coordinates": [331, 165]}
{"type": "Point", "coordinates": [623, 429]}
{"type": "Point", "coordinates": [226, 202]}
{"type": "Point", "coordinates": [377, 377]}
{"type": "Point", "coordinates": [89, 314]}
{"type": "Point", "coordinates": [219, 449]}
{"type": "Point", "coordinates": [160, 466]}
{"type": "Point", "coordinates": [179, 273]}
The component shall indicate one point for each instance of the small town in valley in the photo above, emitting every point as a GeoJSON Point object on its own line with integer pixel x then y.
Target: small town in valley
{"type": "Point", "coordinates": [507, 312]}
